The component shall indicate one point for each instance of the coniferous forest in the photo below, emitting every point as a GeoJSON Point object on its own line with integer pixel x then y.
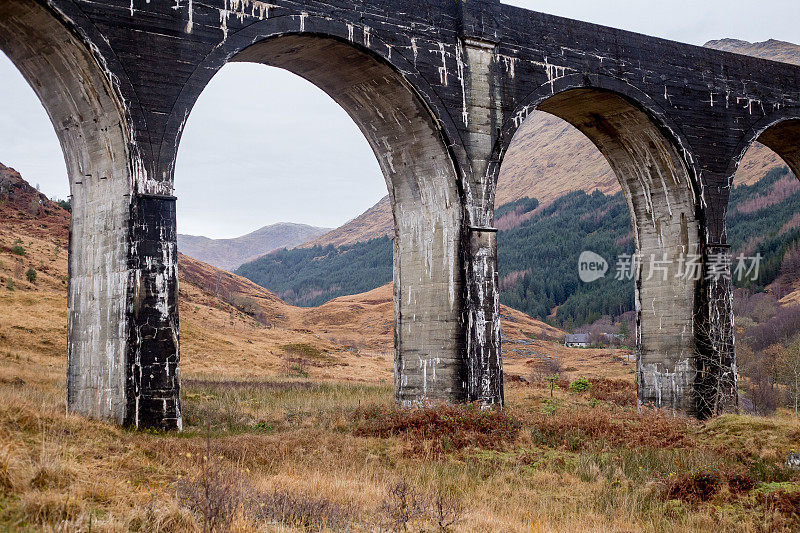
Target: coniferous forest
{"type": "Point", "coordinates": [538, 250]}
{"type": "Point", "coordinates": [309, 277]}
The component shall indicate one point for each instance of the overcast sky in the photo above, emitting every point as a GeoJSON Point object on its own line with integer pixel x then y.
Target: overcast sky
{"type": "Point", "coordinates": [264, 146]}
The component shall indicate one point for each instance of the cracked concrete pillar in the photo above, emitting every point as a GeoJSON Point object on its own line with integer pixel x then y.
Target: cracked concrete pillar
{"type": "Point", "coordinates": [483, 117]}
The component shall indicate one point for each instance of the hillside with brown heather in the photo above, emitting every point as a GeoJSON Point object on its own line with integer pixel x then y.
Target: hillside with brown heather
{"type": "Point", "coordinates": [772, 49]}
{"type": "Point", "coordinates": [229, 324]}
{"type": "Point", "coordinates": [549, 158]}
{"type": "Point", "coordinates": [374, 223]}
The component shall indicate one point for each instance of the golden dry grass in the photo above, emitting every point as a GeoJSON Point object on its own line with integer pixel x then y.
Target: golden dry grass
{"type": "Point", "coordinates": [582, 467]}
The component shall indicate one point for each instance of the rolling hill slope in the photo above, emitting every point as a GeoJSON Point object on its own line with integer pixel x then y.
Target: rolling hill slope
{"type": "Point", "coordinates": [229, 326]}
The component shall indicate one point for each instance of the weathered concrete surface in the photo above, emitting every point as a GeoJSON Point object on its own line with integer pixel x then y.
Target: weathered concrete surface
{"type": "Point", "coordinates": [93, 132]}
{"type": "Point", "coordinates": [439, 88]}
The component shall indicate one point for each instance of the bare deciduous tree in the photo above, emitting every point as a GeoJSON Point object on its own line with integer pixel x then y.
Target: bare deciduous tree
{"type": "Point", "coordinates": [791, 373]}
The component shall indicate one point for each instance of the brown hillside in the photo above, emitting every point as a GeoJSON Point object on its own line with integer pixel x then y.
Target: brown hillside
{"type": "Point", "coordinates": [549, 158]}
{"type": "Point", "coordinates": [230, 326]}
{"type": "Point", "coordinates": [771, 49]}
{"type": "Point", "coordinates": [24, 207]}
{"type": "Point", "coordinates": [374, 223]}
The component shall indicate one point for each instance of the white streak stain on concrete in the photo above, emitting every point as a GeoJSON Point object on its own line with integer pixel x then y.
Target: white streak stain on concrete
{"type": "Point", "coordinates": [443, 68]}
{"type": "Point", "coordinates": [554, 72]}
{"type": "Point", "coordinates": [462, 79]}
{"type": "Point", "coordinates": [367, 36]}
{"type": "Point", "coordinates": [242, 9]}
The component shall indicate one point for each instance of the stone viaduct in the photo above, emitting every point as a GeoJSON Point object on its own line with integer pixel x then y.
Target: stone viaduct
{"type": "Point", "coordinates": [439, 88]}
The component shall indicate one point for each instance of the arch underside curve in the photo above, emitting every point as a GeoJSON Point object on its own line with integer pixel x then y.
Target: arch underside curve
{"type": "Point", "coordinates": [93, 135]}
{"type": "Point", "coordinates": [783, 138]}
{"type": "Point", "coordinates": [662, 203]}
{"type": "Point", "coordinates": [423, 187]}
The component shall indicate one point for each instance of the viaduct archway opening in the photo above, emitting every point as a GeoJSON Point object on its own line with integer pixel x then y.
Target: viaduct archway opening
{"type": "Point", "coordinates": [661, 201]}
{"type": "Point", "coordinates": [762, 227]}
{"type": "Point", "coordinates": [783, 138]}
{"type": "Point", "coordinates": [92, 129]}
{"type": "Point", "coordinates": [423, 188]}
{"type": "Point", "coordinates": [278, 151]}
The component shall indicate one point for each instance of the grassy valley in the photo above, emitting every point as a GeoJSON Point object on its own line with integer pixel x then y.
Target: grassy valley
{"type": "Point", "coordinates": [290, 425]}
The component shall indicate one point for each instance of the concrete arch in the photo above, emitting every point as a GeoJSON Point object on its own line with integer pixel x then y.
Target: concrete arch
{"type": "Point", "coordinates": [371, 41]}
{"type": "Point", "coordinates": [91, 125]}
{"type": "Point", "coordinates": [780, 132]}
{"type": "Point", "coordinates": [658, 181]}
{"type": "Point", "coordinates": [423, 184]}
{"type": "Point", "coordinates": [635, 96]}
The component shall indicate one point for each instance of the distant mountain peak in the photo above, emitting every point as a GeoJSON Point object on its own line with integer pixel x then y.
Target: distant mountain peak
{"type": "Point", "coordinates": [229, 254]}
{"type": "Point", "coordinates": [772, 49]}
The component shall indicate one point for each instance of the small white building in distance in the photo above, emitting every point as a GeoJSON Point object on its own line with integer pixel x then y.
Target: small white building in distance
{"type": "Point", "coordinates": [580, 340]}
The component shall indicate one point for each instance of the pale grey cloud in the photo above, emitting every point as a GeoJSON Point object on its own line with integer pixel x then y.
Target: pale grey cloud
{"type": "Point", "coordinates": [264, 146]}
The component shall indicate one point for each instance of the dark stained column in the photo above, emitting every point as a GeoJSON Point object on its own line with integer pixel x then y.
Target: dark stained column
{"type": "Point", "coordinates": [715, 359]}
{"type": "Point", "coordinates": [480, 33]}
{"type": "Point", "coordinates": [483, 308]}
{"type": "Point", "coordinates": [715, 387]}
{"type": "Point", "coordinates": [153, 378]}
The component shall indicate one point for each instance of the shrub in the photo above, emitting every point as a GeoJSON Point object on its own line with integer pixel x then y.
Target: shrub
{"type": "Point", "coordinates": [303, 512]}
{"type": "Point", "coordinates": [218, 496]}
{"type": "Point", "coordinates": [215, 497]}
{"type": "Point", "coordinates": [246, 304]}
{"type": "Point", "coordinates": [775, 330]}
{"type": "Point", "coordinates": [18, 249]}
{"type": "Point", "coordinates": [439, 428]}
{"type": "Point", "coordinates": [580, 385]}
{"type": "Point", "coordinates": [66, 205]}
{"type": "Point", "coordinates": [10, 284]}
{"type": "Point", "coordinates": [545, 370]}
{"type": "Point", "coordinates": [406, 509]}
{"type": "Point", "coordinates": [302, 350]}
{"type": "Point", "coordinates": [300, 355]}
{"type": "Point", "coordinates": [447, 510]}
{"type": "Point", "coordinates": [616, 391]}
{"type": "Point", "coordinates": [295, 367]}
{"type": "Point", "coordinates": [702, 485]}
{"type": "Point", "coordinates": [782, 507]}
{"type": "Point", "coordinates": [31, 274]}
{"type": "Point", "coordinates": [601, 427]}
{"type": "Point", "coordinates": [402, 506]}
